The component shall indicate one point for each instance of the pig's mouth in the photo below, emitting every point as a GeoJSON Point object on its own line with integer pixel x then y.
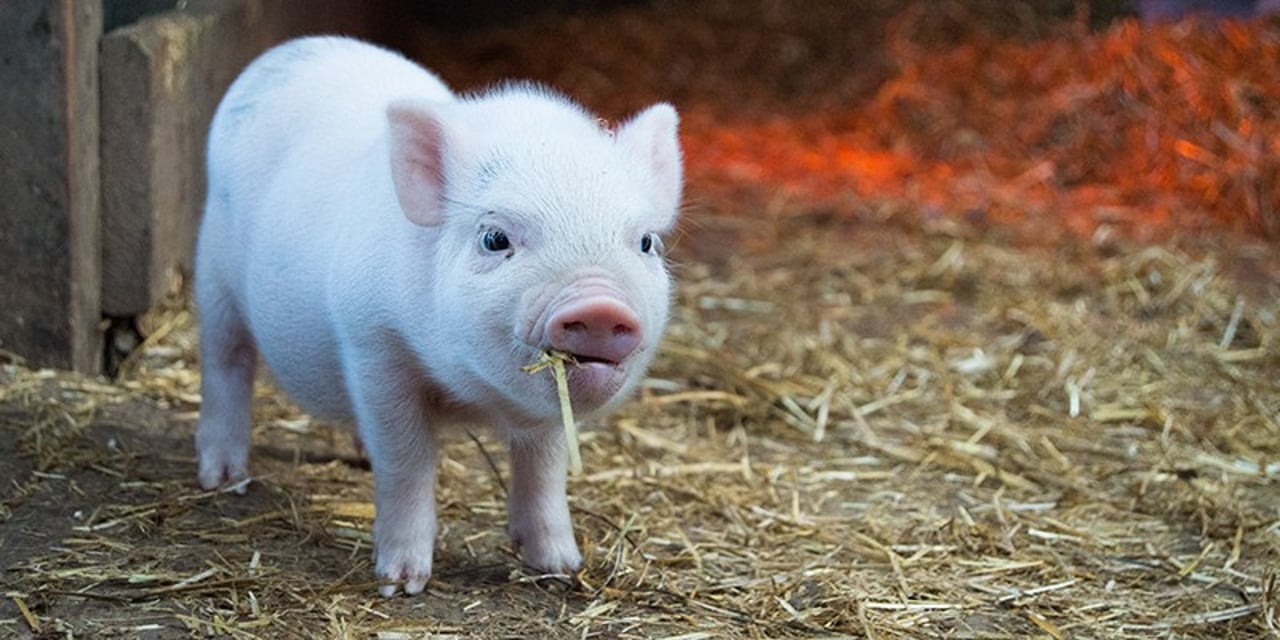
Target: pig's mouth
{"type": "Point", "coordinates": [579, 359]}
{"type": "Point", "coordinates": [593, 380]}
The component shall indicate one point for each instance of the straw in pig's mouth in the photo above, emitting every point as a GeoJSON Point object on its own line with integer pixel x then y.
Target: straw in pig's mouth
{"type": "Point", "coordinates": [556, 361]}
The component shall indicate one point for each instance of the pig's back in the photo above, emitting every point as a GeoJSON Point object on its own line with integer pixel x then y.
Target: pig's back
{"type": "Point", "coordinates": [320, 94]}
{"type": "Point", "coordinates": [298, 173]}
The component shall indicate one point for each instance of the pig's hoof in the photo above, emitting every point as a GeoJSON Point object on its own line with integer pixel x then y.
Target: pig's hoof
{"type": "Point", "coordinates": [550, 554]}
{"type": "Point", "coordinates": [219, 468]}
{"type": "Point", "coordinates": [403, 569]}
{"type": "Point", "coordinates": [403, 541]}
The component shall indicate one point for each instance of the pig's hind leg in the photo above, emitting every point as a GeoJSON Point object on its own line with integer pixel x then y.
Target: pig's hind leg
{"type": "Point", "coordinates": [227, 362]}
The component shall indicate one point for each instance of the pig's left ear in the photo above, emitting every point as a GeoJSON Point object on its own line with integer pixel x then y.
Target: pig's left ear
{"type": "Point", "coordinates": [651, 138]}
{"type": "Point", "coordinates": [418, 151]}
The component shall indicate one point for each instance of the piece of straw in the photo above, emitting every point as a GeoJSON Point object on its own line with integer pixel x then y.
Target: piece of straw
{"type": "Point", "coordinates": [556, 360]}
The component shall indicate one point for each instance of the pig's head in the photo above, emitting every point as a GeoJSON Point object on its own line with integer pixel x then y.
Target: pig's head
{"type": "Point", "coordinates": [547, 236]}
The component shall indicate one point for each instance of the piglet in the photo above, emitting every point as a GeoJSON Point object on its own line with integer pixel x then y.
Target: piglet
{"type": "Point", "coordinates": [396, 254]}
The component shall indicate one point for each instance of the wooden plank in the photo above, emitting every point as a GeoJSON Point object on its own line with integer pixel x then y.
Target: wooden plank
{"type": "Point", "coordinates": [152, 144]}
{"type": "Point", "coordinates": [162, 78]}
{"type": "Point", "coordinates": [49, 182]}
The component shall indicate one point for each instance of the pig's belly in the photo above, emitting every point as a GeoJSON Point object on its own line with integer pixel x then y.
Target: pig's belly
{"type": "Point", "coordinates": [311, 375]}
{"type": "Point", "coordinates": [297, 342]}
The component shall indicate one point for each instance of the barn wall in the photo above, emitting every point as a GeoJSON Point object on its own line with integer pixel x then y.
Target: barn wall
{"type": "Point", "coordinates": [97, 219]}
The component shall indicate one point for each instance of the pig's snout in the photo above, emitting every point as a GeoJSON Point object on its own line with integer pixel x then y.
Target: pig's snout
{"type": "Point", "coordinates": [591, 319]}
{"type": "Point", "coordinates": [599, 328]}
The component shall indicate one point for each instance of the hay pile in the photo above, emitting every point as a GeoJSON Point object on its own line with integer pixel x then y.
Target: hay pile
{"type": "Point", "coordinates": [893, 433]}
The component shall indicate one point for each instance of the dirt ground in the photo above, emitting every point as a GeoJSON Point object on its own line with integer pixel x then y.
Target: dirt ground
{"type": "Point", "coordinates": [872, 418]}
{"type": "Point", "coordinates": [856, 430]}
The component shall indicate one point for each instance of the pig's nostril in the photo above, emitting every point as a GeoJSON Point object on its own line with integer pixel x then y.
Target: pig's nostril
{"type": "Point", "coordinates": [578, 326]}
{"type": "Point", "coordinates": [581, 327]}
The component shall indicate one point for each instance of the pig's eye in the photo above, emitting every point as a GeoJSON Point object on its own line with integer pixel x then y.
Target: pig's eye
{"type": "Point", "coordinates": [651, 244]}
{"type": "Point", "coordinates": [495, 241]}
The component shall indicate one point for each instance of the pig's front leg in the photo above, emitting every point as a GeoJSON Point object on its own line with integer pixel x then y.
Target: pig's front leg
{"type": "Point", "coordinates": [402, 451]}
{"type": "Point", "coordinates": [538, 509]}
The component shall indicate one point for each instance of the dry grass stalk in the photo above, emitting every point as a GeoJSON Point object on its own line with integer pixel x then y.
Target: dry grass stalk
{"type": "Point", "coordinates": [555, 360]}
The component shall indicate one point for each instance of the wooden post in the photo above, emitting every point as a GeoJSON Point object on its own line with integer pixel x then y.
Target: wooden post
{"type": "Point", "coordinates": [49, 182]}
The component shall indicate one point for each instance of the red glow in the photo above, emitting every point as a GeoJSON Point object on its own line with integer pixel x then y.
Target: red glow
{"type": "Point", "coordinates": [1131, 127]}
{"type": "Point", "coordinates": [1140, 128]}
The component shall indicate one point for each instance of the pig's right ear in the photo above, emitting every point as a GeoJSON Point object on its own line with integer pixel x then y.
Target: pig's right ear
{"type": "Point", "coordinates": [417, 161]}
{"type": "Point", "coordinates": [651, 138]}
